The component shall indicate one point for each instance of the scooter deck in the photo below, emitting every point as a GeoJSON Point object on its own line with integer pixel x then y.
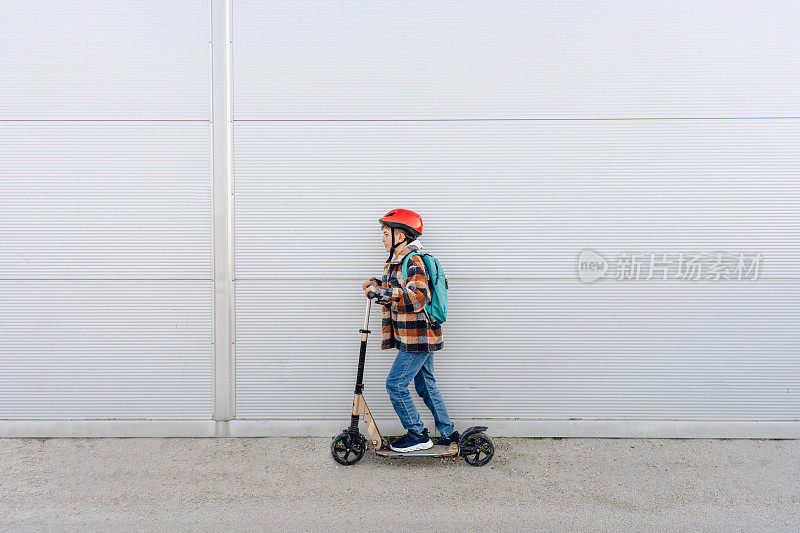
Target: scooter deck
{"type": "Point", "coordinates": [435, 451]}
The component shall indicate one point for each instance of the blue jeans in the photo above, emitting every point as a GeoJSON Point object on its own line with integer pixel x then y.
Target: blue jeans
{"type": "Point", "coordinates": [419, 367]}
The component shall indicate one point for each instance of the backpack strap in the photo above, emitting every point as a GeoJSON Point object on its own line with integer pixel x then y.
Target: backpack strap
{"type": "Point", "coordinates": [406, 259]}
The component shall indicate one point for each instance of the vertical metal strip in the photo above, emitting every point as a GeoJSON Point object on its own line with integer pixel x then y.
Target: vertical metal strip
{"type": "Point", "coordinates": [222, 243]}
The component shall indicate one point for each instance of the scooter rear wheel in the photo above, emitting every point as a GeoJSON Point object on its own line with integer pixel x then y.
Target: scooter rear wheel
{"type": "Point", "coordinates": [477, 449]}
{"type": "Point", "coordinates": [347, 448]}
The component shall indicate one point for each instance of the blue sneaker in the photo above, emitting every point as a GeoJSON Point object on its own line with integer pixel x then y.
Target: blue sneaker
{"type": "Point", "coordinates": [447, 441]}
{"type": "Point", "coordinates": [412, 441]}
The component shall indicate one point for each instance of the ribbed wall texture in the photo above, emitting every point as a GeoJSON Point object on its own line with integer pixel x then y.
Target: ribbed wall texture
{"type": "Point", "coordinates": [105, 200]}
{"type": "Point", "coordinates": [526, 196]}
{"type": "Point", "coordinates": [379, 59]}
{"type": "Point", "coordinates": [345, 110]}
{"type": "Point", "coordinates": [524, 132]}
{"type": "Point", "coordinates": [94, 59]}
{"type": "Point", "coordinates": [511, 206]}
{"type": "Point", "coordinates": [105, 349]}
{"type": "Point", "coordinates": [534, 349]}
{"type": "Point", "coordinates": [105, 210]}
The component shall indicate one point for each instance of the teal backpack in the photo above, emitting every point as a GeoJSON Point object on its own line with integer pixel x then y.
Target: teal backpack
{"type": "Point", "coordinates": [436, 310]}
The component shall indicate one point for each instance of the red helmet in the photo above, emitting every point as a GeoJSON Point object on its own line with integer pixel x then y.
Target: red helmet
{"type": "Point", "coordinates": [406, 220]}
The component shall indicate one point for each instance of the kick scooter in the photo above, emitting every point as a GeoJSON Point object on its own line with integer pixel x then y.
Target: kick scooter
{"type": "Point", "coordinates": [347, 448]}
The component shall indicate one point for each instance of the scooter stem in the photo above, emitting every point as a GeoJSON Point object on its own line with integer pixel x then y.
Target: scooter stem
{"type": "Point", "coordinates": [366, 317]}
{"type": "Point", "coordinates": [359, 404]}
{"type": "Point", "coordinates": [363, 354]}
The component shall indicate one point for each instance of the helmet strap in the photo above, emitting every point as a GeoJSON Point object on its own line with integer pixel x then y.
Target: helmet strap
{"type": "Point", "coordinates": [391, 251]}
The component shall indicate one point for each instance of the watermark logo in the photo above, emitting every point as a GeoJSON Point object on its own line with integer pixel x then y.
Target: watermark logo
{"type": "Point", "coordinates": [669, 265]}
{"type": "Point", "coordinates": [591, 266]}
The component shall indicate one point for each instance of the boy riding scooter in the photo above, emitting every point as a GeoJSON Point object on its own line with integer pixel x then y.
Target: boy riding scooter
{"type": "Point", "coordinates": [406, 326]}
{"type": "Point", "coordinates": [413, 293]}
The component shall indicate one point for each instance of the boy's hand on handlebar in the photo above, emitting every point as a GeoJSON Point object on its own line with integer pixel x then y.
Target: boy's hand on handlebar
{"type": "Point", "coordinates": [369, 289]}
{"type": "Point", "coordinates": [372, 286]}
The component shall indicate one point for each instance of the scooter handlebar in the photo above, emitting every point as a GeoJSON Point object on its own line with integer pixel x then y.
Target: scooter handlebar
{"type": "Point", "coordinates": [371, 295]}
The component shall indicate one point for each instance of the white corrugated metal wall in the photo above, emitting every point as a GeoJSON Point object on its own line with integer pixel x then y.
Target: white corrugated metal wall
{"type": "Point", "coordinates": [523, 132]}
{"type": "Point", "coordinates": [105, 211]}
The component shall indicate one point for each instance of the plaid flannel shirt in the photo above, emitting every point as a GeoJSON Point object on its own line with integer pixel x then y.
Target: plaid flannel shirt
{"type": "Point", "coordinates": [404, 324]}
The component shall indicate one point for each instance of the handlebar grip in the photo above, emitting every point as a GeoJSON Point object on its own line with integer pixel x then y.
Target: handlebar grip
{"type": "Point", "coordinates": [371, 295]}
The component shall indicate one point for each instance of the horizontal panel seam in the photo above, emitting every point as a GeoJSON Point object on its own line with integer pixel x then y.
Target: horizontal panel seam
{"type": "Point", "coordinates": [107, 120]}
{"type": "Point", "coordinates": [485, 276]}
{"type": "Point", "coordinates": [105, 279]}
{"type": "Point", "coordinates": [511, 119]}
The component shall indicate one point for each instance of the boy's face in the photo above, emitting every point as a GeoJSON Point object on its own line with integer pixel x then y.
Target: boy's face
{"type": "Point", "coordinates": [387, 237]}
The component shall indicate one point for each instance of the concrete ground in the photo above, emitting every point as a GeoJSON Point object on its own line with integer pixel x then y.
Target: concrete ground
{"type": "Point", "coordinates": [293, 483]}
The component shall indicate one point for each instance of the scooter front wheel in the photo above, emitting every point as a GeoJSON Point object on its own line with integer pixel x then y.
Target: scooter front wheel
{"type": "Point", "coordinates": [348, 448]}
{"type": "Point", "coordinates": [477, 449]}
